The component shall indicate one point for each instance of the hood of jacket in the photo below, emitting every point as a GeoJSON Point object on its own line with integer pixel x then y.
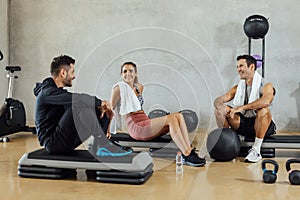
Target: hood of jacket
{"type": "Point", "coordinates": [48, 82]}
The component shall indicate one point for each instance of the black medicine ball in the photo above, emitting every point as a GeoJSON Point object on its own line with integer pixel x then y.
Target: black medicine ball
{"type": "Point", "coordinates": [256, 26]}
{"type": "Point", "coordinates": [223, 144]}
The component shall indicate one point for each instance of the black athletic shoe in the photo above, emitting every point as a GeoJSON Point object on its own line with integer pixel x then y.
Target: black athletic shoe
{"type": "Point", "coordinates": [193, 159]}
{"type": "Point", "coordinates": [122, 147]}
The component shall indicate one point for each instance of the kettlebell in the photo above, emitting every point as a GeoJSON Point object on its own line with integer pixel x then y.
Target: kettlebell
{"type": "Point", "coordinates": [269, 176]}
{"type": "Point", "coordinates": [294, 175]}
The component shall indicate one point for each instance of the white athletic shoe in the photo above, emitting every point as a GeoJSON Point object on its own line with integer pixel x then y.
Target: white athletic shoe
{"type": "Point", "coordinates": [253, 156]}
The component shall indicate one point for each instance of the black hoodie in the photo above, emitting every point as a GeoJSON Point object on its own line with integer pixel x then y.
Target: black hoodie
{"type": "Point", "coordinates": [51, 104]}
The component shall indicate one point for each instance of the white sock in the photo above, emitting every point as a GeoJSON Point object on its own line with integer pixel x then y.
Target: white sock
{"type": "Point", "coordinates": [257, 144]}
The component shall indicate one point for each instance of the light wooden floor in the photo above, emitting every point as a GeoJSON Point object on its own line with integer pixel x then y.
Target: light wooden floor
{"type": "Point", "coordinates": [217, 180]}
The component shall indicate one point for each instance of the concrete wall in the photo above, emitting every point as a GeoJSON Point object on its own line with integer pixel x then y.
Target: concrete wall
{"type": "Point", "coordinates": [185, 50]}
{"type": "Point", "coordinates": [3, 48]}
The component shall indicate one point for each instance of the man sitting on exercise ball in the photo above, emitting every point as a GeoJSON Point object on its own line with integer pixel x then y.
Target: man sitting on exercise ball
{"type": "Point", "coordinates": [250, 115]}
{"type": "Point", "coordinates": [64, 119]}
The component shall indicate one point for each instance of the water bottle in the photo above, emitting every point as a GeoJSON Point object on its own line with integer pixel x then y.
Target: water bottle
{"type": "Point", "coordinates": [179, 163]}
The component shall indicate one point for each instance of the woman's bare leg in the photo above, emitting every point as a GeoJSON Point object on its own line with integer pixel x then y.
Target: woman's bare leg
{"type": "Point", "coordinates": [159, 124]}
{"type": "Point", "coordinates": [183, 128]}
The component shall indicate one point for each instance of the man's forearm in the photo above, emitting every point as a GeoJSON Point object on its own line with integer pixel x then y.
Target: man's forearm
{"type": "Point", "coordinates": [257, 104]}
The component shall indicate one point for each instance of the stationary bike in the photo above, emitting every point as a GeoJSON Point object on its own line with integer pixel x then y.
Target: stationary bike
{"type": "Point", "coordinates": [12, 113]}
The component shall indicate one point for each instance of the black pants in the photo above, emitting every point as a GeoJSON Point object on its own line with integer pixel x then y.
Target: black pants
{"type": "Point", "coordinates": [75, 126]}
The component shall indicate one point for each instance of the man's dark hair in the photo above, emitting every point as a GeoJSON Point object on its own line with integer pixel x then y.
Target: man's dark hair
{"type": "Point", "coordinates": [249, 60]}
{"type": "Point", "coordinates": [59, 62]}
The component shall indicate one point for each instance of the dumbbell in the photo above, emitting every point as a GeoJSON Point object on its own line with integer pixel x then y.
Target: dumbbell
{"type": "Point", "coordinates": [4, 139]}
{"type": "Point", "coordinates": [269, 176]}
{"type": "Point", "coordinates": [294, 175]}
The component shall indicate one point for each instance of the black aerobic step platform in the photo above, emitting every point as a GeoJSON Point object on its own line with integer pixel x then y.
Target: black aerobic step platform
{"type": "Point", "coordinates": [276, 141]}
{"type": "Point", "coordinates": [163, 152]}
{"type": "Point", "coordinates": [114, 176]}
{"type": "Point", "coordinates": [40, 164]}
{"type": "Point", "coordinates": [124, 139]}
{"type": "Point", "coordinates": [265, 152]}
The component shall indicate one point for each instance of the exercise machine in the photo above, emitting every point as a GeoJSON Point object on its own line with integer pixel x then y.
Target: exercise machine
{"type": "Point", "coordinates": [135, 168]}
{"type": "Point", "coordinates": [12, 113]}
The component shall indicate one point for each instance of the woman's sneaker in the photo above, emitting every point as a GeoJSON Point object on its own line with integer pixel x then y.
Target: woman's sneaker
{"type": "Point", "coordinates": [193, 159]}
{"type": "Point", "coordinates": [122, 147]}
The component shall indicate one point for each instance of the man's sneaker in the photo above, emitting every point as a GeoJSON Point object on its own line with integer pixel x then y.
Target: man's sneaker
{"type": "Point", "coordinates": [193, 159]}
{"type": "Point", "coordinates": [90, 143]}
{"type": "Point", "coordinates": [110, 149]}
{"type": "Point", "coordinates": [253, 156]}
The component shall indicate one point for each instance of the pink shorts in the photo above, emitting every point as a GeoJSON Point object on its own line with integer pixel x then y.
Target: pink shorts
{"type": "Point", "coordinates": [139, 126]}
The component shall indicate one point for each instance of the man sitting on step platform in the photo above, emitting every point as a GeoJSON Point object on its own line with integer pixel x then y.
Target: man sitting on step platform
{"type": "Point", "coordinates": [64, 119]}
{"type": "Point", "coordinates": [250, 114]}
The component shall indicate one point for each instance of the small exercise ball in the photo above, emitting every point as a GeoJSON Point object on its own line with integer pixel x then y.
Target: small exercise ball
{"type": "Point", "coordinates": [258, 59]}
{"type": "Point", "coordinates": [157, 113]}
{"type": "Point", "coordinates": [223, 144]}
{"type": "Point", "coordinates": [256, 26]}
{"type": "Point", "coordinates": [191, 119]}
